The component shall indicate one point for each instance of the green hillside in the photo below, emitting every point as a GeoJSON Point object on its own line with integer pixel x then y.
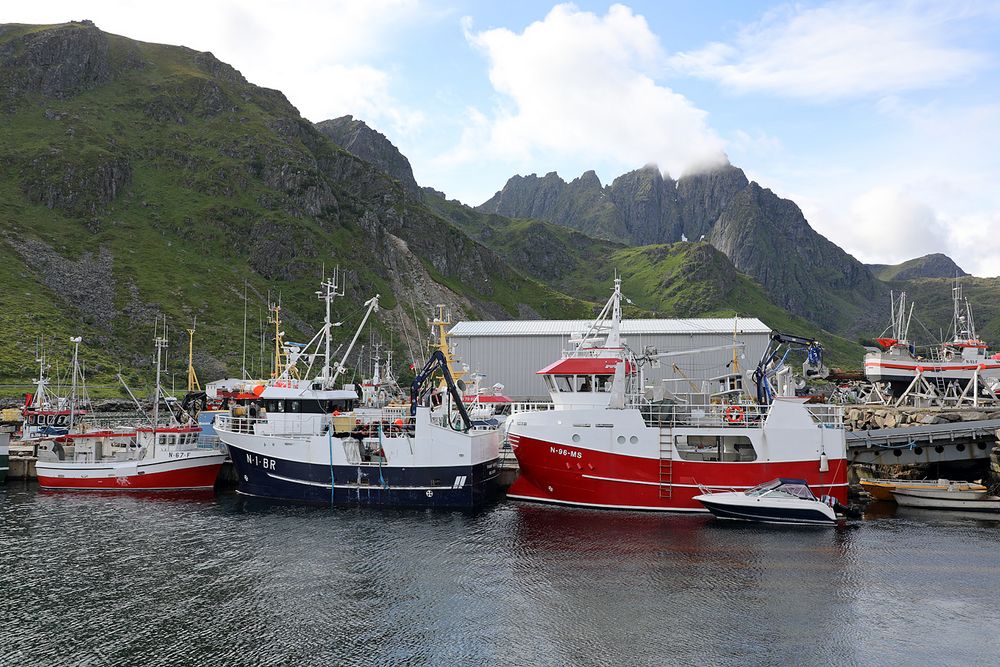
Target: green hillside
{"type": "Point", "coordinates": [139, 180]}
{"type": "Point", "coordinates": [668, 280]}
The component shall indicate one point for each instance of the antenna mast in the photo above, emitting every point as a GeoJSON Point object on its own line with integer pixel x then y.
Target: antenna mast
{"type": "Point", "coordinates": [193, 384]}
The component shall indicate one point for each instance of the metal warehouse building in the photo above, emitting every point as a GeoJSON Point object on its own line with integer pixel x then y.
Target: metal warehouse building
{"type": "Point", "coordinates": [509, 352]}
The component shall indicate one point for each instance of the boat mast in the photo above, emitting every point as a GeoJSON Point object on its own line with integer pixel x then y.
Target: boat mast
{"type": "Point", "coordinates": [160, 342]}
{"type": "Point", "coordinates": [193, 384]}
{"type": "Point", "coordinates": [614, 334]}
{"type": "Point", "coordinates": [957, 320]}
{"type": "Point", "coordinates": [372, 307]}
{"type": "Point", "coordinates": [38, 402]}
{"type": "Point", "coordinates": [441, 322]}
{"type": "Point", "coordinates": [244, 375]}
{"type": "Point", "coordinates": [612, 310]}
{"type": "Point", "coordinates": [76, 368]}
{"type": "Point", "coordinates": [330, 288]}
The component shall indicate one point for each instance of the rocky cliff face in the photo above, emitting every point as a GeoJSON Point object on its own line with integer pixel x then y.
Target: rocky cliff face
{"type": "Point", "coordinates": [58, 62]}
{"type": "Point", "coordinates": [139, 178]}
{"type": "Point", "coordinates": [764, 236]}
{"type": "Point", "coordinates": [638, 208]}
{"type": "Point", "coordinates": [768, 238]}
{"type": "Point", "coordinates": [356, 137]}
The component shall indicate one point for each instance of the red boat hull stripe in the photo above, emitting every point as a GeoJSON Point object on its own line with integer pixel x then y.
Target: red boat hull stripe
{"type": "Point", "coordinates": [196, 477]}
{"type": "Point", "coordinates": [602, 479]}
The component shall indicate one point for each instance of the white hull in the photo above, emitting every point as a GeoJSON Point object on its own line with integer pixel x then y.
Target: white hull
{"type": "Point", "coordinates": [932, 500]}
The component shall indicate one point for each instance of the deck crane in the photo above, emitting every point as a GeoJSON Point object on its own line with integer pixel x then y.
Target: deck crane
{"type": "Point", "coordinates": [437, 361]}
{"type": "Point", "coordinates": [772, 363]}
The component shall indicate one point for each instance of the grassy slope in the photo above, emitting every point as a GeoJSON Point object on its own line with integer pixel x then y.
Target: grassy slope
{"type": "Point", "coordinates": [182, 231]}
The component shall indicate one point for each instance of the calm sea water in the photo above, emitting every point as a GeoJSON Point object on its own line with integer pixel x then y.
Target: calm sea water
{"type": "Point", "coordinates": [158, 580]}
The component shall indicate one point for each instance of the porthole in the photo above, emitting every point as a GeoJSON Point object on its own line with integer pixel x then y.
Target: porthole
{"type": "Point", "coordinates": [960, 447]}
{"type": "Point", "coordinates": [633, 440]}
{"type": "Point", "coordinates": [576, 437]}
{"type": "Point", "coordinates": [621, 440]}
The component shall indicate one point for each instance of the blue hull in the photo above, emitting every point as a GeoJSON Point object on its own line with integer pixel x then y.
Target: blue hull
{"type": "Point", "coordinates": [452, 486]}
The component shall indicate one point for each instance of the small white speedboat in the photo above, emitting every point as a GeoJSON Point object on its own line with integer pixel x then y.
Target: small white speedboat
{"type": "Point", "coordinates": [781, 500]}
{"type": "Point", "coordinates": [946, 500]}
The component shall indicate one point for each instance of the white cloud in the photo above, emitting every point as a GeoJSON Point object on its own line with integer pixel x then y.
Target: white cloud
{"type": "Point", "coordinates": [975, 243]}
{"type": "Point", "coordinates": [318, 53]}
{"type": "Point", "coordinates": [891, 226]}
{"type": "Point", "coordinates": [839, 50]}
{"type": "Point", "coordinates": [580, 85]}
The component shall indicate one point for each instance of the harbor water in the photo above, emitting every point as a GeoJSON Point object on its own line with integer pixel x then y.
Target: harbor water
{"type": "Point", "coordinates": [161, 579]}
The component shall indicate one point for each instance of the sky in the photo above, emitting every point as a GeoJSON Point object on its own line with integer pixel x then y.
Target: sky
{"type": "Point", "coordinates": [881, 120]}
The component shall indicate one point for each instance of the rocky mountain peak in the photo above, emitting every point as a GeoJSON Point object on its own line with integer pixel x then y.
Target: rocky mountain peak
{"type": "Point", "coordinates": [588, 180]}
{"type": "Point", "coordinates": [356, 137]}
{"type": "Point", "coordinates": [57, 61]}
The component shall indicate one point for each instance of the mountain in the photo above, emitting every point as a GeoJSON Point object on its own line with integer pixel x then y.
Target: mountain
{"type": "Point", "coordinates": [765, 236]}
{"type": "Point", "coordinates": [934, 265]}
{"type": "Point", "coordinates": [371, 146]}
{"type": "Point", "coordinates": [638, 208]}
{"type": "Point", "coordinates": [139, 180]}
{"type": "Point", "coordinates": [683, 279]}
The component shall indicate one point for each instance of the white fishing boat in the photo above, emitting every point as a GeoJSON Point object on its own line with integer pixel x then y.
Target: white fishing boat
{"type": "Point", "coordinates": [313, 442]}
{"type": "Point", "coordinates": [946, 500]}
{"type": "Point", "coordinates": [45, 413]}
{"type": "Point", "coordinates": [955, 362]}
{"type": "Point", "coordinates": [778, 501]}
{"type": "Point", "coordinates": [151, 457]}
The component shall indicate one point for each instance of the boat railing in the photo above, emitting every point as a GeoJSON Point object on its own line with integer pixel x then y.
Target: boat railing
{"type": "Point", "coordinates": [727, 415]}
{"type": "Point", "coordinates": [666, 414]}
{"type": "Point", "coordinates": [826, 414]}
{"type": "Point", "coordinates": [389, 419]}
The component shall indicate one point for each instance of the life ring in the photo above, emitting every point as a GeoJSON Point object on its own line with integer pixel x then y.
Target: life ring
{"type": "Point", "coordinates": [734, 414]}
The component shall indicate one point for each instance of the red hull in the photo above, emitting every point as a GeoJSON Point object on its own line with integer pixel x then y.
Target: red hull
{"type": "Point", "coordinates": [196, 477]}
{"type": "Point", "coordinates": [591, 478]}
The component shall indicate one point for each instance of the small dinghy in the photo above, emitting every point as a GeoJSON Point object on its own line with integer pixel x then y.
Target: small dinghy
{"type": "Point", "coordinates": [881, 489]}
{"type": "Point", "coordinates": [781, 500]}
{"type": "Point", "coordinates": [946, 499]}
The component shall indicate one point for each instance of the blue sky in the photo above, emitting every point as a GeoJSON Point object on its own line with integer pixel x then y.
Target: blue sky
{"type": "Point", "coordinates": [879, 119]}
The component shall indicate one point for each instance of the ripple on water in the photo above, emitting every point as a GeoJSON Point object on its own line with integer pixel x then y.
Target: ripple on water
{"type": "Point", "coordinates": [160, 580]}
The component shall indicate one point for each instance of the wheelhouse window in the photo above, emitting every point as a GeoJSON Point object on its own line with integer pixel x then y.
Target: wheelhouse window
{"type": "Point", "coordinates": [724, 448]}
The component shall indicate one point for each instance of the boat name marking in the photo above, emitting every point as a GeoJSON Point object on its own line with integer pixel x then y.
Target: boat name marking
{"type": "Point", "coordinates": [566, 452]}
{"type": "Point", "coordinates": [261, 461]}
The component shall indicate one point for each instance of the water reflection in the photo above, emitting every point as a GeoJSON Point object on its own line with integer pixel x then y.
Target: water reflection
{"type": "Point", "coordinates": [120, 579]}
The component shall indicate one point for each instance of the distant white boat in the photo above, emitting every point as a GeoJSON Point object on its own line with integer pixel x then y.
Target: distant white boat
{"type": "Point", "coordinates": [946, 500]}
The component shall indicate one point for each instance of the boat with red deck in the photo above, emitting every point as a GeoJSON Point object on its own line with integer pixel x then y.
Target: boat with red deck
{"type": "Point", "coordinates": [152, 457]}
{"type": "Point", "coordinates": [956, 362]}
{"type": "Point", "coordinates": [611, 442]}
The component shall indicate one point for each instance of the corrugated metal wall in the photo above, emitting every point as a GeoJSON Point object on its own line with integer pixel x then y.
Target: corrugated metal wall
{"type": "Point", "coordinates": [513, 360]}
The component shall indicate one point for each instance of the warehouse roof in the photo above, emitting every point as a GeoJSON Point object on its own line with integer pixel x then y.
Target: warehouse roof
{"type": "Point", "coordinates": [710, 325]}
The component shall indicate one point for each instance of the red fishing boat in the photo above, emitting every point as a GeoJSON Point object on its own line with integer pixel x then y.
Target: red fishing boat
{"type": "Point", "coordinates": [611, 442]}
